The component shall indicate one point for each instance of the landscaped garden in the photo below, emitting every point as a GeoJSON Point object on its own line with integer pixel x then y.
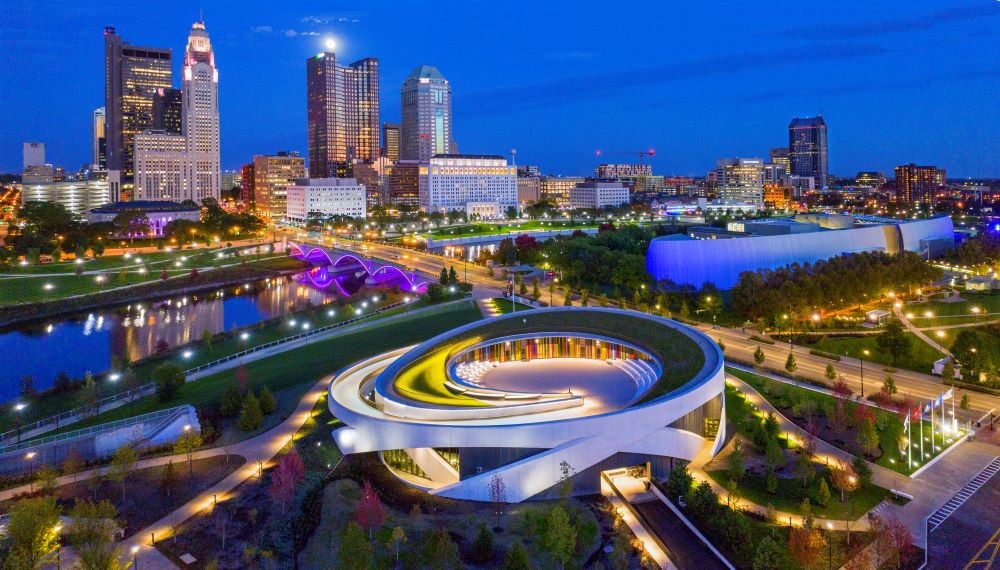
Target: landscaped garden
{"type": "Point", "coordinates": [874, 433]}
{"type": "Point", "coordinates": [921, 355]}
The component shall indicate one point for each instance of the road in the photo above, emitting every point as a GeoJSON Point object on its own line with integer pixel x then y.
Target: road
{"type": "Point", "coordinates": [920, 387]}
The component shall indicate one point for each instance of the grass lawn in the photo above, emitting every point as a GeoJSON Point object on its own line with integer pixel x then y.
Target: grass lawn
{"type": "Point", "coordinates": [681, 357]}
{"type": "Point", "coordinates": [921, 359]}
{"type": "Point", "coordinates": [504, 306]}
{"type": "Point", "coordinates": [33, 288]}
{"type": "Point", "coordinates": [781, 395]}
{"type": "Point", "coordinates": [977, 307]}
{"type": "Point", "coordinates": [989, 341]}
{"type": "Point", "coordinates": [790, 494]}
{"type": "Point", "coordinates": [303, 366]}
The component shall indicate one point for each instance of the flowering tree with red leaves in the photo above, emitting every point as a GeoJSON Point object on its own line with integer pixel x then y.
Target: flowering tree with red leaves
{"type": "Point", "coordinates": [841, 389]}
{"type": "Point", "coordinates": [371, 514]}
{"type": "Point", "coordinates": [285, 478]}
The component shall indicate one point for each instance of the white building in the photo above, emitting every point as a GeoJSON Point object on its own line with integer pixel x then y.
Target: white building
{"type": "Point", "coordinates": [77, 197]}
{"type": "Point", "coordinates": [158, 213]}
{"type": "Point", "coordinates": [185, 167]}
{"type": "Point", "coordinates": [456, 181]}
{"type": "Point", "coordinates": [34, 154]}
{"type": "Point", "coordinates": [328, 196]}
{"type": "Point", "coordinates": [740, 180]}
{"type": "Point", "coordinates": [200, 115]}
{"type": "Point", "coordinates": [598, 194]}
{"type": "Point", "coordinates": [160, 160]}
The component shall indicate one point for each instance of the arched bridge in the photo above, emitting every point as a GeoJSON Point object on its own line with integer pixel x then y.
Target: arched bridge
{"type": "Point", "coordinates": [332, 263]}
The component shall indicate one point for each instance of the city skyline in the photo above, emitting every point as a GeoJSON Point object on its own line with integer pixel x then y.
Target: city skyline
{"type": "Point", "coordinates": [557, 99]}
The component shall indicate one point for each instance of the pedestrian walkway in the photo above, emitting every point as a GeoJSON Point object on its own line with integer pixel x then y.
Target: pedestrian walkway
{"type": "Point", "coordinates": [920, 333]}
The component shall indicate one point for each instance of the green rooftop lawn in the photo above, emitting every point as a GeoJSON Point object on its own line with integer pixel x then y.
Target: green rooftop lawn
{"type": "Point", "coordinates": [680, 356]}
{"type": "Point", "coordinates": [504, 306]}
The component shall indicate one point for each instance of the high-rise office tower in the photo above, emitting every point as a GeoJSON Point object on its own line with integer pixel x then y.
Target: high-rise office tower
{"type": "Point", "coordinates": [918, 183]}
{"type": "Point", "coordinates": [34, 154]}
{"type": "Point", "coordinates": [248, 191]}
{"type": "Point", "coordinates": [779, 155]}
{"type": "Point", "coordinates": [132, 74]}
{"type": "Point", "coordinates": [99, 160]}
{"type": "Point", "coordinates": [807, 150]}
{"type": "Point", "coordinates": [168, 111]}
{"type": "Point", "coordinates": [273, 174]}
{"type": "Point", "coordinates": [740, 180]}
{"type": "Point", "coordinates": [200, 115]}
{"type": "Point", "coordinates": [426, 110]}
{"type": "Point", "coordinates": [390, 141]}
{"type": "Point", "coordinates": [343, 114]}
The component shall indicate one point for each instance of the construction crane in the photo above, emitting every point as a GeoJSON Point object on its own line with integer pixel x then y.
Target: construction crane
{"type": "Point", "coordinates": [641, 153]}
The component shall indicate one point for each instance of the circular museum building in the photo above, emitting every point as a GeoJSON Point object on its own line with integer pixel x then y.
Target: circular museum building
{"type": "Point", "coordinates": [522, 395]}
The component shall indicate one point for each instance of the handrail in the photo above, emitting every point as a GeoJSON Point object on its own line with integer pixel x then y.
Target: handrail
{"type": "Point", "coordinates": [96, 429]}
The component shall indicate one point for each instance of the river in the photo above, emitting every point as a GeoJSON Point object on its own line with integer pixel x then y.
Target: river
{"type": "Point", "coordinates": [87, 341]}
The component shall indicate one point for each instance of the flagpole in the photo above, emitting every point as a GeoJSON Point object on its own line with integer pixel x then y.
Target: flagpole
{"type": "Point", "coordinates": [909, 442]}
{"type": "Point", "coordinates": [921, 435]}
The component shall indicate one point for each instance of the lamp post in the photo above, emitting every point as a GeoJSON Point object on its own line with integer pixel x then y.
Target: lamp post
{"type": "Point", "coordinates": [56, 529]}
{"type": "Point", "coordinates": [829, 540]}
{"type": "Point", "coordinates": [135, 557]}
{"type": "Point", "coordinates": [20, 418]}
{"type": "Point", "coordinates": [863, 353]}
{"type": "Point", "coordinates": [30, 457]}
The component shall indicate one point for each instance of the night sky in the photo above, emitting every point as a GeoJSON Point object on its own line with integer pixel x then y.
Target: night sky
{"type": "Point", "coordinates": [896, 81]}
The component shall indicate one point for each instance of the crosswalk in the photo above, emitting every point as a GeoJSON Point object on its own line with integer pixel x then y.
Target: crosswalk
{"type": "Point", "coordinates": [963, 495]}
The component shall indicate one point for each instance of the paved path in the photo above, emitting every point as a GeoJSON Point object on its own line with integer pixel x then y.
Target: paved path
{"type": "Point", "coordinates": [920, 333]}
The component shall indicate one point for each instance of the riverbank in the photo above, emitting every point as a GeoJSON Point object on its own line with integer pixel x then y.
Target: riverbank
{"type": "Point", "coordinates": [247, 270]}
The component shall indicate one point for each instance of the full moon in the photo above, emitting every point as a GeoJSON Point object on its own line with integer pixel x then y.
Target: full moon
{"type": "Point", "coordinates": [329, 43]}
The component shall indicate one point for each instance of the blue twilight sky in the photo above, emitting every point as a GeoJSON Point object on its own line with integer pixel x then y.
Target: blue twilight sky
{"type": "Point", "coordinates": [896, 81]}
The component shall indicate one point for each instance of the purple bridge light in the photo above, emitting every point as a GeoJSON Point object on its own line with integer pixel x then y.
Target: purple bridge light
{"type": "Point", "coordinates": [376, 274]}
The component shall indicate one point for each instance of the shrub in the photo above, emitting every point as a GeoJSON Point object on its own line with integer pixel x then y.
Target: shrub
{"type": "Point", "coordinates": [251, 417]}
{"type": "Point", "coordinates": [827, 355]}
{"type": "Point", "coordinates": [267, 402]}
{"type": "Point", "coordinates": [168, 377]}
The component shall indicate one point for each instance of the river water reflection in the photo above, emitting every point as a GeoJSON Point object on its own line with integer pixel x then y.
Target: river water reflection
{"type": "Point", "coordinates": [87, 341]}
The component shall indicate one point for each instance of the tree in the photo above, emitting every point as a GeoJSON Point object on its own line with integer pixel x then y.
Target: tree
{"type": "Point", "coordinates": [355, 551]}
{"type": "Point", "coordinates": [122, 463]}
{"type": "Point", "coordinates": [231, 402]}
{"type": "Point", "coordinates": [32, 538]}
{"type": "Point", "coordinates": [92, 533]}
{"type": "Point", "coordinates": [948, 370]}
{"type": "Point", "coordinates": [568, 299]}
{"type": "Point", "coordinates": [560, 537]}
{"type": "Point", "coordinates": [758, 357]}
{"type": "Point", "coordinates": [566, 473]}
{"type": "Point", "coordinates": [805, 546]}
{"type": "Point", "coordinates": [889, 387]}
{"type": "Point", "coordinates": [243, 377]}
{"type": "Point", "coordinates": [804, 469]}
{"type": "Point", "coordinates": [768, 556]}
{"type": "Point", "coordinates": [482, 547]}
{"type": "Point", "coordinates": [679, 482]}
{"type": "Point", "coordinates": [735, 462]}
{"type": "Point", "coordinates": [964, 404]}
{"type": "Point", "coordinates": [267, 403]}
{"type": "Point", "coordinates": [131, 223]}
{"type": "Point", "coordinates": [443, 280]}
{"type": "Point", "coordinates": [790, 365]}
{"type": "Point", "coordinates": [864, 472]}
{"type": "Point", "coordinates": [536, 291]}
{"type": "Point", "coordinates": [186, 444]}
{"type": "Point", "coordinates": [169, 479]}
{"type": "Point", "coordinates": [397, 539]}
{"type": "Point", "coordinates": [73, 464]}
{"type": "Point", "coordinates": [222, 517]}
{"type": "Point", "coordinates": [774, 457]}
{"type": "Point", "coordinates": [440, 552]}
{"type": "Point", "coordinates": [89, 394]}
{"type": "Point", "coordinates": [893, 342]}
{"type": "Point", "coordinates": [286, 477]}
{"type": "Point", "coordinates": [452, 276]}
{"type": "Point", "coordinates": [46, 478]}
{"type": "Point", "coordinates": [206, 339]}
{"type": "Point", "coordinates": [823, 495]}
{"type": "Point", "coordinates": [830, 374]}
{"type": "Point", "coordinates": [498, 495]}
{"type": "Point", "coordinates": [517, 558]}
{"type": "Point", "coordinates": [251, 417]}
{"type": "Point", "coordinates": [168, 377]}
{"type": "Point", "coordinates": [371, 514]}
{"type": "Point", "coordinates": [844, 478]}
{"type": "Point", "coordinates": [868, 437]}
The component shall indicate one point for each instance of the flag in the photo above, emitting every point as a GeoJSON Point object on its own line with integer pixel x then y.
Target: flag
{"type": "Point", "coordinates": [906, 421]}
{"type": "Point", "coordinates": [949, 394]}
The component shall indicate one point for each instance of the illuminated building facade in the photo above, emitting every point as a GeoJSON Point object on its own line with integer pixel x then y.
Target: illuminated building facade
{"type": "Point", "coordinates": [167, 111]}
{"type": "Point", "coordinates": [873, 180]}
{"type": "Point", "coordinates": [598, 194]}
{"type": "Point", "coordinates": [390, 141]}
{"type": "Point", "coordinates": [200, 116]}
{"type": "Point", "coordinates": [556, 189]}
{"type": "Point", "coordinates": [273, 174]}
{"type": "Point", "coordinates": [807, 148]}
{"type": "Point", "coordinates": [326, 196]}
{"type": "Point", "coordinates": [248, 193]}
{"type": "Point", "coordinates": [476, 184]}
{"type": "Point", "coordinates": [77, 197]}
{"type": "Point", "coordinates": [133, 74]}
{"type": "Point", "coordinates": [99, 155]}
{"type": "Point", "coordinates": [402, 184]}
{"type": "Point", "coordinates": [342, 113]}
{"type": "Point", "coordinates": [426, 128]}
{"type": "Point", "coordinates": [918, 183]}
{"type": "Point", "coordinates": [160, 163]}
{"type": "Point", "coordinates": [623, 170]}
{"type": "Point", "coordinates": [740, 180]}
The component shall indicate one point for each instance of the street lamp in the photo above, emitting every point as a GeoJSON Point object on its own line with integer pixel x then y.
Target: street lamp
{"type": "Point", "coordinates": [864, 353]}
{"type": "Point", "coordinates": [135, 557]}
{"type": "Point", "coordinates": [57, 529]}
{"type": "Point", "coordinates": [829, 539]}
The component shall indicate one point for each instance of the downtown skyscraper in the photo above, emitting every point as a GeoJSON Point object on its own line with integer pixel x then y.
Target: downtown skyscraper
{"type": "Point", "coordinates": [342, 113]}
{"type": "Point", "coordinates": [183, 163]}
{"type": "Point", "coordinates": [426, 112]}
{"type": "Point", "coordinates": [807, 151]}
{"type": "Point", "coordinates": [200, 115]}
{"type": "Point", "coordinates": [132, 74]}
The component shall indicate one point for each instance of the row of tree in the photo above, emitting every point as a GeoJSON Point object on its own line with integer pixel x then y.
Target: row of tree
{"type": "Point", "coordinates": [846, 280]}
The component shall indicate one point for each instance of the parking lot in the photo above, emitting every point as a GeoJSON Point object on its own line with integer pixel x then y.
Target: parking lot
{"type": "Point", "coordinates": [970, 536]}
